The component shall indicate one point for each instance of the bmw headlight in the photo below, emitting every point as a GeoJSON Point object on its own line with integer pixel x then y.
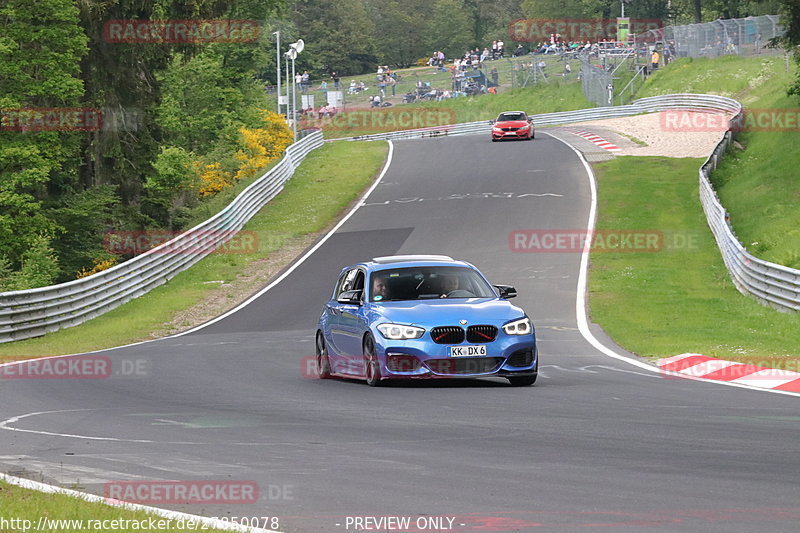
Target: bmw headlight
{"type": "Point", "coordinates": [398, 332]}
{"type": "Point", "coordinates": [519, 327]}
{"type": "Point", "coordinates": [495, 128]}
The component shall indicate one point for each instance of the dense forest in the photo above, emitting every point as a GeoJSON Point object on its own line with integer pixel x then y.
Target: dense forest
{"type": "Point", "coordinates": [108, 129]}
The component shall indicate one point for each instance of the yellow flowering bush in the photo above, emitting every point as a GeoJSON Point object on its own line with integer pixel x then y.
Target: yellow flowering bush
{"type": "Point", "coordinates": [260, 146]}
{"type": "Point", "coordinates": [99, 266]}
{"type": "Point", "coordinates": [212, 178]}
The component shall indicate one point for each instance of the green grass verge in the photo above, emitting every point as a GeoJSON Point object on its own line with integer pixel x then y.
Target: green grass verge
{"type": "Point", "coordinates": [681, 299]}
{"type": "Point", "coordinates": [542, 98]}
{"type": "Point", "coordinates": [20, 505]}
{"type": "Point", "coordinates": [327, 181]}
{"type": "Point", "coordinates": [557, 95]}
{"type": "Point", "coordinates": [758, 185]}
{"type": "Point", "coordinates": [732, 76]}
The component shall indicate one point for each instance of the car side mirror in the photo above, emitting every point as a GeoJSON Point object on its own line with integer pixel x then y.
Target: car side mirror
{"type": "Point", "coordinates": [506, 291]}
{"type": "Point", "coordinates": [350, 297]}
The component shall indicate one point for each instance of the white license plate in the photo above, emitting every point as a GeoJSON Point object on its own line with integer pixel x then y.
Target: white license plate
{"type": "Point", "coordinates": [466, 351]}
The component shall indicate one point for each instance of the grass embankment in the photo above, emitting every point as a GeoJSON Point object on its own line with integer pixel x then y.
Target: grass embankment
{"type": "Point", "coordinates": [24, 508]}
{"type": "Point", "coordinates": [679, 299]}
{"type": "Point", "coordinates": [327, 181]}
{"type": "Point", "coordinates": [758, 185]}
{"type": "Point", "coordinates": [684, 299]}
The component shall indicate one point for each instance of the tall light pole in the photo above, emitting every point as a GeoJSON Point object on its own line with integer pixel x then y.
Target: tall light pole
{"type": "Point", "coordinates": [292, 53]}
{"type": "Point", "coordinates": [294, 49]}
{"type": "Point", "coordinates": [289, 82]}
{"type": "Point", "coordinates": [278, 66]}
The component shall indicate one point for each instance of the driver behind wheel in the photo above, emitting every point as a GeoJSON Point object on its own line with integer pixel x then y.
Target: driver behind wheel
{"type": "Point", "coordinates": [380, 288]}
{"type": "Point", "coordinates": [449, 284]}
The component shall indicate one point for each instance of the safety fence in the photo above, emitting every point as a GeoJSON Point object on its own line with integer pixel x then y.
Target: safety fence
{"type": "Point", "coordinates": [745, 36]}
{"type": "Point", "coordinates": [642, 105]}
{"type": "Point", "coordinates": [34, 312]}
{"type": "Point", "coordinates": [597, 84]}
{"type": "Point", "coordinates": [771, 283]}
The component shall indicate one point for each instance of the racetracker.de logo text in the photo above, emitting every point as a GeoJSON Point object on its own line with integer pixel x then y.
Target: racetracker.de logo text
{"type": "Point", "coordinates": [181, 31]}
{"type": "Point", "coordinates": [183, 492]}
{"type": "Point", "coordinates": [388, 119]}
{"type": "Point", "coordinates": [33, 119]}
{"type": "Point", "coordinates": [540, 30]}
{"type": "Point", "coordinates": [189, 242]}
{"type": "Point", "coordinates": [694, 120]}
{"type": "Point", "coordinates": [575, 241]}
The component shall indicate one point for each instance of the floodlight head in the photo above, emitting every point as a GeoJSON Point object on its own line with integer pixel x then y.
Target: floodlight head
{"type": "Point", "coordinates": [292, 54]}
{"type": "Point", "coordinates": [298, 46]}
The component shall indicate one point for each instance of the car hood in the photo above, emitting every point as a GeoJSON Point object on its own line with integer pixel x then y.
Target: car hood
{"type": "Point", "coordinates": [429, 313]}
{"type": "Point", "coordinates": [511, 124]}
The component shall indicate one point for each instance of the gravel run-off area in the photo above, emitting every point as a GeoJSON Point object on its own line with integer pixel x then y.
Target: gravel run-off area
{"type": "Point", "coordinates": [662, 134]}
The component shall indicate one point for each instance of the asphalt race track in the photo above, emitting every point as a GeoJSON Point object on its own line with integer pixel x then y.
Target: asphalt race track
{"type": "Point", "coordinates": [596, 444]}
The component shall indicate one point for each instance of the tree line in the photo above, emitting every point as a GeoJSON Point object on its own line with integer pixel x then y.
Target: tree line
{"type": "Point", "coordinates": [180, 121]}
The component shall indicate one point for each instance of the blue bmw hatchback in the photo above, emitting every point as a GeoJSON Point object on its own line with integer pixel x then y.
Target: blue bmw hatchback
{"type": "Point", "coordinates": [423, 317]}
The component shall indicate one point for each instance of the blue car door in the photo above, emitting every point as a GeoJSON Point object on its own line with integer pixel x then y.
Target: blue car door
{"type": "Point", "coordinates": [342, 327]}
{"type": "Point", "coordinates": [352, 325]}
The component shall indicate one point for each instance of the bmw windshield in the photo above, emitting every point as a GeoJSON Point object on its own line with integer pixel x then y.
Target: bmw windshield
{"type": "Point", "coordinates": [423, 283]}
{"type": "Point", "coordinates": [508, 117]}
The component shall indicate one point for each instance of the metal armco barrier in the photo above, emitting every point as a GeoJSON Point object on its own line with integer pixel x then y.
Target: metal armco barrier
{"type": "Point", "coordinates": [637, 107]}
{"type": "Point", "coordinates": [772, 284]}
{"type": "Point", "coordinates": [34, 312]}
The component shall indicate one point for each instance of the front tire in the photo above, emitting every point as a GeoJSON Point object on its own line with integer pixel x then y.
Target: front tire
{"type": "Point", "coordinates": [323, 363]}
{"type": "Point", "coordinates": [372, 367]}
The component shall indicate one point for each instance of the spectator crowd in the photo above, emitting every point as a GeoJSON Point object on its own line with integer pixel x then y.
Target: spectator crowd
{"type": "Point", "coordinates": [467, 71]}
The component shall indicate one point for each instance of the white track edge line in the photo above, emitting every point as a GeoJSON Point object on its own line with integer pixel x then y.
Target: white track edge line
{"type": "Point", "coordinates": [580, 300]}
{"type": "Point", "coordinates": [164, 513]}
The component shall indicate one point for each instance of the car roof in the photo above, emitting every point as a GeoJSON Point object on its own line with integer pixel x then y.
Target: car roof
{"type": "Point", "coordinates": [403, 261]}
{"type": "Point", "coordinates": [504, 112]}
{"type": "Point", "coordinates": [410, 258]}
